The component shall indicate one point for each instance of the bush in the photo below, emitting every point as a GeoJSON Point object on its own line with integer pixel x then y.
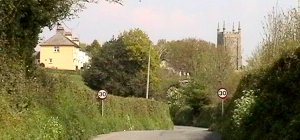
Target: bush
{"type": "Point", "coordinates": [189, 105]}
{"type": "Point", "coordinates": [241, 112]}
{"type": "Point", "coordinates": [57, 105]}
{"type": "Point", "coordinates": [207, 116]}
{"type": "Point", "coordinates": [184, 116]}
{"type": "Point", "coordinates": [272, 111]}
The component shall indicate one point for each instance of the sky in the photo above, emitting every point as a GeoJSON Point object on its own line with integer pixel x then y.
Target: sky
{"type": "Point", "coordinates": [174, 19]}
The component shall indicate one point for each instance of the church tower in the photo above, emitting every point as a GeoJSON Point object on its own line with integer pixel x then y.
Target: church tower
{"type": "Point", "coordinates": [231, 42]}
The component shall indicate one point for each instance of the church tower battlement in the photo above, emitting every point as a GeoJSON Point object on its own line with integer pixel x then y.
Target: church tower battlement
{"type": "Point", "coordinates": [231, 42]}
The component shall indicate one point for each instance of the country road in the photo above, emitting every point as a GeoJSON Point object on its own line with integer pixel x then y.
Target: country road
{"type": "Point", "coordinates": [179, 133]}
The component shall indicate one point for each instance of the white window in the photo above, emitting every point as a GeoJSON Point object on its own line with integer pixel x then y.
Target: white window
{"type": "Point", "coordinates": [56, 48]}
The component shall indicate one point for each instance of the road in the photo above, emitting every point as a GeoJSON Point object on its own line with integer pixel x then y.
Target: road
{"type": "Point", "coordinates": [179, 133]}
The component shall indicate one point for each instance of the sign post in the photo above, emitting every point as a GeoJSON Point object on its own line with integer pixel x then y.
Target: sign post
{"type": "Point", "coordinates": [102, 94]}
{"type": "Point", "coordinates": [222, 93]}
{"type": "Point", "coordinates": [222, 107]}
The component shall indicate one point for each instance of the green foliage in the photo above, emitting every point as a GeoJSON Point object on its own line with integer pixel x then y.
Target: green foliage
{"type": "Point", "coordinates": [271, 112]}
{"type": "Point", "coordinates": [93, 48]}
{"type": "Point", "coordinates": [50, 127]}
{"type": "Point", "coordinates": [162, 49]}
{"type": "Point", "coordinates": [187, 104]}
{"type": "Point", "coordinates": [242, 111]}
{"type": "Point", "coordinates": [83, 46]}
{"type": "Point", "coordinates": [207, 117]}
{"type": "Point", "coordinates": [138, 114]}
{"type": "Point", "coordinates": [175, 97]}
{"type": "Point", "coordinates": [209, 67]}
{"type": "Point", "coordinates": [36, 105]}
{"type": "Point", "coordinates": [242, 108]}
{"type": "Point", "coordinates": [195, 97]}
{"type": "Point", "coordinates": [120, 66]}
{"type": "Point", "coordinates": [281, 35]}
{"type": "Point", "coordinates": [137, 45]}
{"type": "Point", "coordinates": [59, 106]}
{"type": "Point", "coordinates": [22, 21]}
{"type": "Point", "coordinates": [184, 116]}
{"type": "Point", "coordinates": [168, 81]}
{"type": "Point", "coordinates": [183, 55]}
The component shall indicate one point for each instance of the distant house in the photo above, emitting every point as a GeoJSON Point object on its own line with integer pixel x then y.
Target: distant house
{"type": "Point", "coordinates": [61, 51]}
{"type": "Point", "coordinates": [164, 64]}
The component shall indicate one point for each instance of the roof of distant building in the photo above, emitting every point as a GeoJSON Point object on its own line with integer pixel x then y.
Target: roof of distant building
{"type": "Point", "coordinates": [59, 40]}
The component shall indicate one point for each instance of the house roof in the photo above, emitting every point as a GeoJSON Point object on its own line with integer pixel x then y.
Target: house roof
{"type": "Point", "coordinates": [59, 40]}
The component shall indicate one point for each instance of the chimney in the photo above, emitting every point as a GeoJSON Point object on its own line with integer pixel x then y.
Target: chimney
{"type": "Point", "coordinates": [60, 29]}
{"type": "Point", "coordinates": [239, 27]}
{"type": "Point", "coordinates": [76, 40]}
{"type": "Point", "coordinates": [233, 29]}
{"type": "Point", "coordinates": [224, 26]}
{"type": "Point", "coordinates": [68, 35]}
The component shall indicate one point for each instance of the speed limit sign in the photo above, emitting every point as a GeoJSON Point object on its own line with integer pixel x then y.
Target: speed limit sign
{"type": "Point", "coordinates": [222, 93]}
{"type": "Point", "coordinates": [102, 94]}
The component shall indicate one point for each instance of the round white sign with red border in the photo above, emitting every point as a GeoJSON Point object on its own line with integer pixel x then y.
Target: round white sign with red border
{"type": "Point", "coordinates": [102, 94]}
{"type": "Point", "coordinates": [222, 93]}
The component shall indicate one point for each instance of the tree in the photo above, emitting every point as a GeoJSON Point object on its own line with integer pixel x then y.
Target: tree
{"type": "Point", "coordinates": [207, 65]}
{"type": "Point", "coordinates": [210, 68]}
{"type": "Point", "coordinates": [196, 97]}
{"type": "Point", "coordinates": [92, 49]}
{"type": "Point", "coordinates": [182, 55]}
{"type": "Point", "coordinates": [215, 70]}
{"type": "Point", "coordinates": [22, 21]}
{"type": "Point", "coordinates": [83, 46]}
{"type": "Point", "coordinates": [120, 66]}
{"type": "Point", "coordinates": [161, 48]}
{"type": "Point", "coordinates": [281, 34]}
{"type": "Point", "coordinates": [179, 55]}
{"type": "Point", "coordinates": [264, 104]}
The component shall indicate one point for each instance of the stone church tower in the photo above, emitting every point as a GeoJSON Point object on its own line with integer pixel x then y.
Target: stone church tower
{"type": "Point", "coordinates": [231, 42]}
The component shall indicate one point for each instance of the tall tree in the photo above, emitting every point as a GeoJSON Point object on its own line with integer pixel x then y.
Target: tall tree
{"type": "Point", "coordinates": [120, 66]}
{"type": "Point", "coordinates": [182, 55]}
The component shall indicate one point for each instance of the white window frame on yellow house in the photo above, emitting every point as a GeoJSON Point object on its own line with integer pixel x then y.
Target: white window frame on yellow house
{"type": "Point", "coordinates": [56, 49]}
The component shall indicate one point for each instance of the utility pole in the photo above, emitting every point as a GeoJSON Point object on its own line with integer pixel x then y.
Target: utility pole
{"type": "Point", "coordinates": [148, 75]}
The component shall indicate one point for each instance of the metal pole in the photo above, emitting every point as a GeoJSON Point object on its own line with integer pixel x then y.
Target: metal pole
{"type": "Point", "coordinates": [148, 76]}
{"type": "Point", "coordinates": [102, 104]}
{"type": "Point", "coordinates": [222, 107]}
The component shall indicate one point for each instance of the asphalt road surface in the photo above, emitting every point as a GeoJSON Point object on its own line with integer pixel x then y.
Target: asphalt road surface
{"type": "Point", "coordinates": [179, 133]}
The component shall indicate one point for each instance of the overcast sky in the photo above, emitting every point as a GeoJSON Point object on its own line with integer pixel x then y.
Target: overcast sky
{"type": "Point", "coordinates": [175, 19]}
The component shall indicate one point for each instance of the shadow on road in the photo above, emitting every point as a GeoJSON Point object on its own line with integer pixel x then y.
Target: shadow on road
{"type": "Point", "coordinates": [179, 133]}
{"type": "Point", "coordinates": [212, 136]}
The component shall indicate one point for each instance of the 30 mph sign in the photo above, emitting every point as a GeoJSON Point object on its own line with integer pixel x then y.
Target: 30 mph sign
{"type": "Point", "coordinates": [102, 94]}
{"type": "Point", "coordinates": [222, 93]}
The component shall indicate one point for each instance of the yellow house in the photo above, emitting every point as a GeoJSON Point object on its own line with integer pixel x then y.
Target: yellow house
{"type": "Point", "coordinates": [61, 51]}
